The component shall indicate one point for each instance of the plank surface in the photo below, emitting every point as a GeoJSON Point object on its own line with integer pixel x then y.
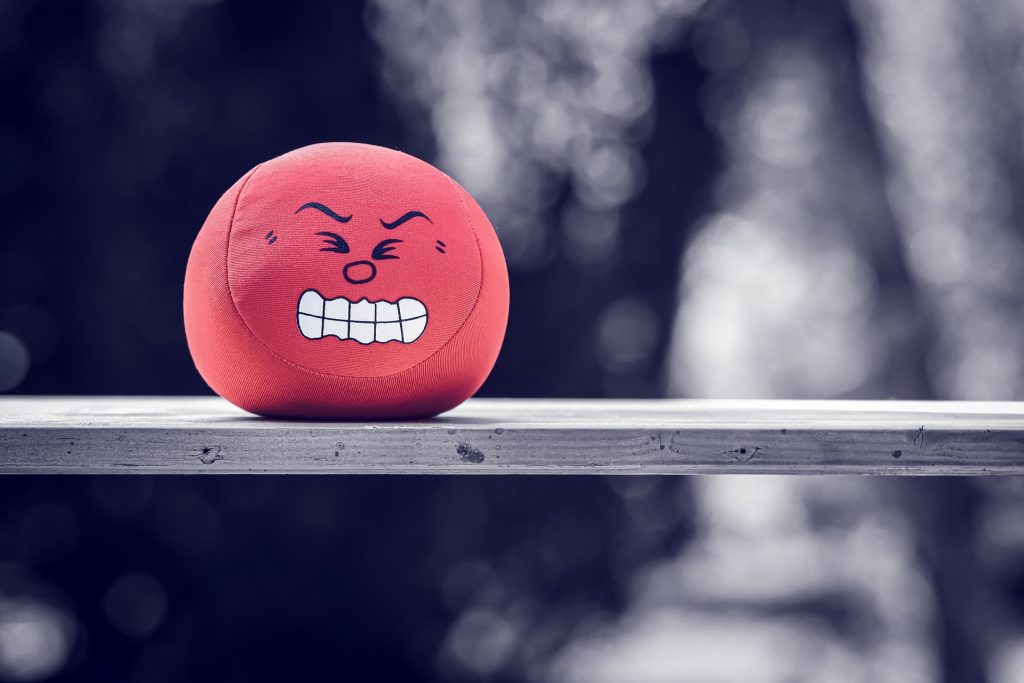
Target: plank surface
{"type": "Point", "coordinates": [492, 436]}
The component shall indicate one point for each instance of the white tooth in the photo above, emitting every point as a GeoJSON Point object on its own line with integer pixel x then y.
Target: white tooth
{"type": "Point", "coordinates": [361, 332]}
{"type": "Point", "coordinates": [411, 308]}
{"type": "Point", "coordinates": [336, 308]}
{"type": "Point", "coordinates": [412, 329]}
{"type": "Point", "coordinates": [311, 303]}
{"type": "Point", "coordinates": [386, 312]}
{"type": "Point", "coordinates": [388, 331]}
{"type": "Point", "coordinates": [310, 326]}
{"type": "Point", "coordinates": [339, 328]}
{"type": "Point", "coordinates": [363, 311]}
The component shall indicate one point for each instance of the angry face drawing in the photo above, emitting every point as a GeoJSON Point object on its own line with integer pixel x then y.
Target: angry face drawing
{"type": "Point", "coordinates": [364, 321]}
{"type": "Point", "coordinates": [351, 266]}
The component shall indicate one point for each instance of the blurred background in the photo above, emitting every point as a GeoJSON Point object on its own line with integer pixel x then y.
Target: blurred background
{"type": "Point", "coordinates": [782, 198]}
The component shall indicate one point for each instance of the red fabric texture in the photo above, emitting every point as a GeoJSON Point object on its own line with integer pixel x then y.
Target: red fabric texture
{"type": "Point", "coordinates": [259, 251]}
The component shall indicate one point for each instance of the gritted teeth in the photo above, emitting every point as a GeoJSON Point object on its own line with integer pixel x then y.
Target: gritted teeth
{"type": "Point", "coordinates": [364, 321]}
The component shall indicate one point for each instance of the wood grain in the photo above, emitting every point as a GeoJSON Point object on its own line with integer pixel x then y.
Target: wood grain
{"type": "Point", "coordinates": [199, 435]}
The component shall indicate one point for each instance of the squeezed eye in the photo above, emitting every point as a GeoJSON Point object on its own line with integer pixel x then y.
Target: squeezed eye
{"type": "Point", "coordinates": [336, 242]}
{"type": "Point", "coordinates": [380, 252]}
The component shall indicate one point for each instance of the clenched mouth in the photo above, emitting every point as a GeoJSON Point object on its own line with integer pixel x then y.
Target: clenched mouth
{"type": "Point", "coordinates": [364, 321]}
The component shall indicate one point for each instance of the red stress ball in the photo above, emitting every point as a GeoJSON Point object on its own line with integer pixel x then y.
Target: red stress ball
{"type": "Point", "coordinates": [346, 281]}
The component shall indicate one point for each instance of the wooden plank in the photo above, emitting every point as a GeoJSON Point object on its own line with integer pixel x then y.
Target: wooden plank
{"type": "Point", "coordinates": [489, 436]}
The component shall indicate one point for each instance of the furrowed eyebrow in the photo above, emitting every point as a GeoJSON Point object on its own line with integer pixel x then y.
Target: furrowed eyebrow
{"type": "Point", "coordinates": [324, 209]}
{"type": "Point", "coordinates": [407, 217]}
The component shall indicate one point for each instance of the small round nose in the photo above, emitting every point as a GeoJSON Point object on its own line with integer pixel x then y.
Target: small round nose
{"type": "Point", "coordinates": [360, 272]}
